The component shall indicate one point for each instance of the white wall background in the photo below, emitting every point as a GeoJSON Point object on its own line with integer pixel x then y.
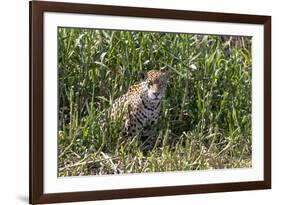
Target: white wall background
{"type": "Point", "coordinates": [14, 101]}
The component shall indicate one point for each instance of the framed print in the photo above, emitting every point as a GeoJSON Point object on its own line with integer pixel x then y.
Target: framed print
{"type": "Point", "coordinates": [139, 102]}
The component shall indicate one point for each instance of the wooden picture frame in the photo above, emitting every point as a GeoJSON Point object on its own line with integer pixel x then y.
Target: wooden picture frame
{"type": "Point", "coordinates": [37, 10]}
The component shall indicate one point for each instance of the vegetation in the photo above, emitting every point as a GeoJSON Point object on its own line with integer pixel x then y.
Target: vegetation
{"type": "Point", "coordinates": [206, 114]}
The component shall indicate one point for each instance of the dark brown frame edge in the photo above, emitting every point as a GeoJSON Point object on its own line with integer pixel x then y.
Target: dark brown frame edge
{"type": "Point", "coordinates": [36, 9]}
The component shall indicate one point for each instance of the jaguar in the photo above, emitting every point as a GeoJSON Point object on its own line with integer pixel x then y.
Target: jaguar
{"type": "Point", "coordinates": [140, 106]}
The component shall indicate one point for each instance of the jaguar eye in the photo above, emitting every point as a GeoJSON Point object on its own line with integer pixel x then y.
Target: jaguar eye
{"type": "Point", "coordinates": [150, 83]}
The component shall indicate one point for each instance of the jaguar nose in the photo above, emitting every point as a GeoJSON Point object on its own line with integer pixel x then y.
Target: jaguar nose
{"type": "Point", "coordinates": [156, 94]}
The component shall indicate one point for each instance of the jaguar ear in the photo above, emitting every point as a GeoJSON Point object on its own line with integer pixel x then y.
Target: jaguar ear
{"type": "Point", "coordinates": [142, 75]}
{"type": "Point", "coordinates": [168, 74]}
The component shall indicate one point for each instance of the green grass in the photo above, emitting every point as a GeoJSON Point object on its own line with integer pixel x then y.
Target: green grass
{"type": "Point", "coordinates": [206, 114]}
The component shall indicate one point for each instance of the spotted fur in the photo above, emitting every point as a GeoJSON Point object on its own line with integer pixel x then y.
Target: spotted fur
{"type": "Point", "coordinates": [141, 105]}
